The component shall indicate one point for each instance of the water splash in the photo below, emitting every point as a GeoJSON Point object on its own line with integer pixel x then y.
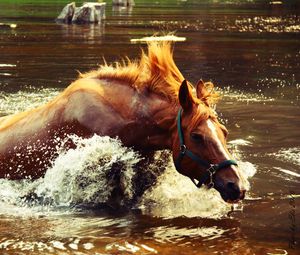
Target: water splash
{"type": "Point", "coordinates": [240, 96]}
{"type": "Point", "coordinates": [90, 173]}
{"type": "Point", "coordinates": [101, 171]}
{"type": "Point", "coordinates": [175, 195]}
{"type": "Point", "coordinates": [11, 103]}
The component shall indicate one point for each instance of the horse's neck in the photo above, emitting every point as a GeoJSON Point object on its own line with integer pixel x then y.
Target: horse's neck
{"type": "Point", "coordinates": [146, 119]}
{"type": "Point", "coordinates": [155, 128]}
{"type": "Point", "coordinates": [140, 119]}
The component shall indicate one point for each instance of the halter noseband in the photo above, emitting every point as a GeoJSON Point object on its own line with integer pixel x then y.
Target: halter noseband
{"type": "Point", "coordinates": [211, 169]}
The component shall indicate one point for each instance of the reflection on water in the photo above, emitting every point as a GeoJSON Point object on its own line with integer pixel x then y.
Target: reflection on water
{"type": "Point", "coordinates": [130, 235]}
{"type": "Point", "coordinates": [88, 33]}
{"type": "Point", "coordinates": [118, 10]}
{"type": "Point", "coordinates": [249, 50]}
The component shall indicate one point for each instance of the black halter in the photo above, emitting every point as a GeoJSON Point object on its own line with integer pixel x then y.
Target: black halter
{"type": "Point", "coordinates": [211, 169]}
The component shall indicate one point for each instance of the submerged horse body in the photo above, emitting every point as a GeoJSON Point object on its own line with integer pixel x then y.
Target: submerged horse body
{"type": "Point", "coordinates": [138, 102]}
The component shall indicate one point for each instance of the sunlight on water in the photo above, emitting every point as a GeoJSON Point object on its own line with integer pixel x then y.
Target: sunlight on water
{"type": "Point", "coordinates": [288, 24]}
{"type": "Point", "coordinates": [5, 69]}
{"type": "Point", "coordinates": [243, 24]}
{"type": "Point", "coordinates": [7, 65]}
{"type": "Point", "coordinates": [172, 234]}
{"type": "Point", "coordinates": [131, 248]}
{"type": "Point", "coordinates": [24, 246]}
{"type": "Point", "coordinates": [288, 172]}
{"type": "Point", "coordinates": [51, 247]}
{"type": "Point", "coordinates": [172, 38]}
{"type": "Point", "coordinates": [291, 155]}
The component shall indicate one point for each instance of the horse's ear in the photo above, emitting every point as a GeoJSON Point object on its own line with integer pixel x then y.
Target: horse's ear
{"type": "Point", "coordinates": [200, 89]}
{"type": "Point", "coordinates": [185, 97]}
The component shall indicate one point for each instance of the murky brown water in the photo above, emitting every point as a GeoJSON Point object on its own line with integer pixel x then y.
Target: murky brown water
{"type": "Point", "coordinates": [250, 51]}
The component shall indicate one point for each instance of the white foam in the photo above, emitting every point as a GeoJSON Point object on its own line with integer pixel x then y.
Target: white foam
{"type": "Point", "coordinates": [175, 195]}
{"type": "Point", "coordinates": [88, 246]}
{"type": "Point", "coordinates": [80, 175]}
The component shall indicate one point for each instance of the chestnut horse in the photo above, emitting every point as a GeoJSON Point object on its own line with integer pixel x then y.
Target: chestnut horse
{"type": "Point", "coordinates": [147, 104]}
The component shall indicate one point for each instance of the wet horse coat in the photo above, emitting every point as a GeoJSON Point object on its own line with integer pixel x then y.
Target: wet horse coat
{"type": "Point", "coordinates": [135, 101]}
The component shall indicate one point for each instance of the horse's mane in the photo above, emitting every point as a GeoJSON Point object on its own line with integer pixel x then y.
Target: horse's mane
{"type": "Point", "coordinates": [155, 71]}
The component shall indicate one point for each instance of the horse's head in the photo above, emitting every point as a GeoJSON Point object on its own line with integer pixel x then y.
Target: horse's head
{"type": "Point", "coordinates": [199, 146]}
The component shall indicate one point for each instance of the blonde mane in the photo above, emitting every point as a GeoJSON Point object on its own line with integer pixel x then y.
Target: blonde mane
{"type": "Point", "coordinates": [155, 71]}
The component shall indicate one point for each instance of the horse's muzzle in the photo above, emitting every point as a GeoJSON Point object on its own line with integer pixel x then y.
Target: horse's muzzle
{"type": "Point", "coordinates": [231, 192]}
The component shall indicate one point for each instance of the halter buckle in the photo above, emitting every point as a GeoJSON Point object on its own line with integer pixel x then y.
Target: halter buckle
{"type": "Point", "coordinates": [182, 149]}
{"type": "Point", "coordinates": [211, 170]}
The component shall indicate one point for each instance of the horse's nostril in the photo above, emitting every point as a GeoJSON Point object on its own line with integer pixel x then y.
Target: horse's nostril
{"type": "Point", "coordinates": [233, 187]}
{"type": "Point", "coordinates": [235, 191]}
{"type": "Point", "coordinates": [242, 195]}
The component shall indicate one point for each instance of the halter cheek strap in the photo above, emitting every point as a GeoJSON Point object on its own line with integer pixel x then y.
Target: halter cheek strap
{"type": "Point", "coordinates": [211, 169]}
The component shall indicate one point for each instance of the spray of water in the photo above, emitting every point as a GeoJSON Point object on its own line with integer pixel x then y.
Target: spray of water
{"type": "Point", "coordinates": [100, 171]}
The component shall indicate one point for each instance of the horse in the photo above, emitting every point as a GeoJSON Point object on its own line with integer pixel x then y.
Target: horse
{"type": "Point", "coordinates": [147, 104]}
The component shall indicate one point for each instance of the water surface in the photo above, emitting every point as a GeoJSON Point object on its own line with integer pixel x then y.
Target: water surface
{"type": "Point", "coordinates": [250, 50]}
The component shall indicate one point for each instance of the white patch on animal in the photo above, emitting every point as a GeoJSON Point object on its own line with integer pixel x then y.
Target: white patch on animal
{"type": "Point", "coordinates": [213, 130]}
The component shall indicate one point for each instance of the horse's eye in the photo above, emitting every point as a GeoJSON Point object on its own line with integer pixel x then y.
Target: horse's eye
{"type": "Point", "coordinates": [197, 137]}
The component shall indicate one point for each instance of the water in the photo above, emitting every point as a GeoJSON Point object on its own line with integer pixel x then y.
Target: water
{"type": "Point", "coordinates": [250, 50]}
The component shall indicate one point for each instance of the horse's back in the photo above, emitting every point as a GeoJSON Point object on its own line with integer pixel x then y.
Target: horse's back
{"type": "Point", "coordinates": [29, 140]}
